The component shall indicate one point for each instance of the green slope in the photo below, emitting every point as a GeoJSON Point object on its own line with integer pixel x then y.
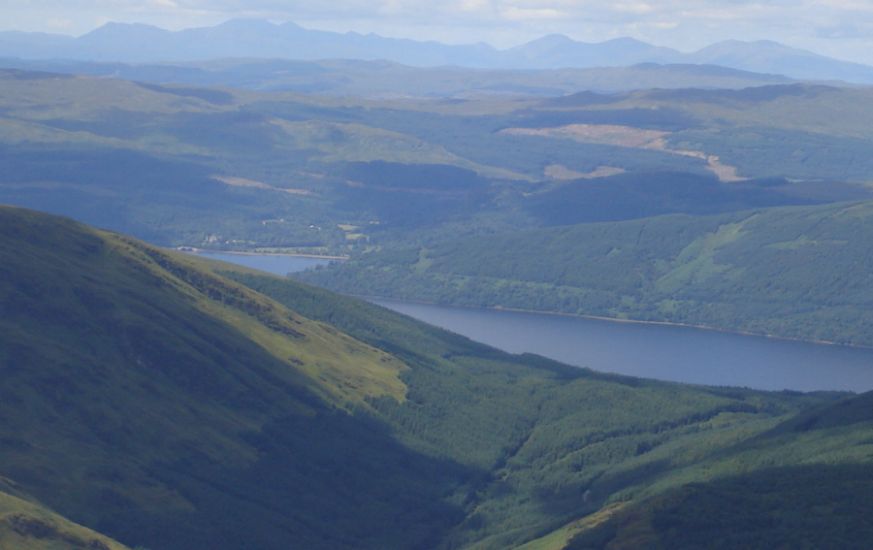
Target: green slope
{"type": "Point", "coordinates": [26, 525]}
{"type": "Point", "coordinates": [798, 507]}
{"type": "Point", "coordinates": [792, 272]}
{"type": "Point", "coordinates": [819, 505]}
{"type": "Point", "coordinates": [149, 396]}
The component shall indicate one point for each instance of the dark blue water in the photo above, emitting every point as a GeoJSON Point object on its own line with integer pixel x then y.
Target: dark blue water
{"type": "Point", "coordinates": [679, 354]}
{"type": "Point", "coordinates": [279, 264]}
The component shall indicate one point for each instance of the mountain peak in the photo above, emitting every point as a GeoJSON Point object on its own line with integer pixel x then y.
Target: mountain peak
{"type": "Point", "coordinates": [759, 47]}
{"type": "Point", "coordinates": [627, 41]}
{"type": "Point", "coordinates": [116, 26]}
{"type": "Point", "coordinates": [549, 41]}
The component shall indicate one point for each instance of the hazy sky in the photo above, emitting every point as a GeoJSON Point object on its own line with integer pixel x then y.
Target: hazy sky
{"type": "Point", "coordinates": [840, 28]}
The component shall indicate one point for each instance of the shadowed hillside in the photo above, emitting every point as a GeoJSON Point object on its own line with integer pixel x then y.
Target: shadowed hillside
{"type": "Point", "coordinates": [152, 400]}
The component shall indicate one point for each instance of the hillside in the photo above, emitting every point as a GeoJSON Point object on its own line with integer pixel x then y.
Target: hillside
{"type": "Point", "coordinates": [230, 169]}
{"type": "Point", "coordinates": [767, 508]}
{"type": "Point", "coordinates": [832, 435]}
{"type": "Point", "coordinates": [792, 272]}
{"type": "Point", "coordinates": [150, 397]}
{"type": "Point", "coordinates": [26, 525]}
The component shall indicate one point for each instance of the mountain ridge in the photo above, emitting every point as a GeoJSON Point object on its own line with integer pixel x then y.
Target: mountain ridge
{"type": "Point", "coordinates": [238, 38]}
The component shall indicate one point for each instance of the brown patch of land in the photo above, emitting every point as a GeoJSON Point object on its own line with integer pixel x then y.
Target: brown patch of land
{"type": "Point", "coordinates": [561, 172]}
{"type": "Point", "coordinates": [623, 136]}
{"type": "Point", "coordinates": [724, 172]}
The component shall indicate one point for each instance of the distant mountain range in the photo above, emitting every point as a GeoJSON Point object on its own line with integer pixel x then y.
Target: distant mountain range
{"type": "Point", "coordinates": [251, 38]}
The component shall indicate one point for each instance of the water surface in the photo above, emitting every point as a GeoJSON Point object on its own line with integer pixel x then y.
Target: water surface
{"type": "Point", "coordinates": [679, 354]}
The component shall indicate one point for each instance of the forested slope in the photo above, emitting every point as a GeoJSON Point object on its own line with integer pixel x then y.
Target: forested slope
{"type": "Point", "coordinates": [801, 272]}
{"type": "Point", "coordinates": [586, 436]}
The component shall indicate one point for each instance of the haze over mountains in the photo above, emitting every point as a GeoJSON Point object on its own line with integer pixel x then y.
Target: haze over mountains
{"type": "Point", "coordinates": [241, 38]}
{"type": "Point", "coordinates": [385, 79]}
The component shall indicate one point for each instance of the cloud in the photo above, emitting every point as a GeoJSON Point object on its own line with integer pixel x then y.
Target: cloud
{"type": "Point", "coordinates": [636, 8]}
{"type": "Point", "coordinates": [59, 23]}
{"type": "Point", "coordinates": [466, 6]}
{"type": "Point", "coordinates": [513, 13]}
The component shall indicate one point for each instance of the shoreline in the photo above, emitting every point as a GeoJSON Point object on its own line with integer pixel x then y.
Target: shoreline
{"type": "Point", "coordinates": [627, 321]}
{"type": "Point", "coordinates": [201, 251]}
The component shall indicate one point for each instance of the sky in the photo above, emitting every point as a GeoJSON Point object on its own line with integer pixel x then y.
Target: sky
{"type": "Point", "coordinates": [838, 28]}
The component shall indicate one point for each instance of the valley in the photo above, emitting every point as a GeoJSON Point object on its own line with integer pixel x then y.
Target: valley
{"type": "Point", "coordinates": [248, 385]}
{"type": "Point", "coordinates": [332, 290]}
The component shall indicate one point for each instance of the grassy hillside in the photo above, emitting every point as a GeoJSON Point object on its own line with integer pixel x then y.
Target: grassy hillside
{"type": "Point", "coordinates": [151, 397]}
{"type": "Point", "coordinates": [793, 272]}
{"type": "Point", "coordinates": [236, 169]}
{"type": "Point", "coordinates": [25, 525]}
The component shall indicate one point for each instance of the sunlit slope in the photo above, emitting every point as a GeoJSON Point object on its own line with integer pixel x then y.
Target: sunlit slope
{"type": "Point", "coordinates": [793, 272]}
{"type": "Point", "coordinates": [171, 286]}
{"type": "Point", "coordinates": [25, 525]}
